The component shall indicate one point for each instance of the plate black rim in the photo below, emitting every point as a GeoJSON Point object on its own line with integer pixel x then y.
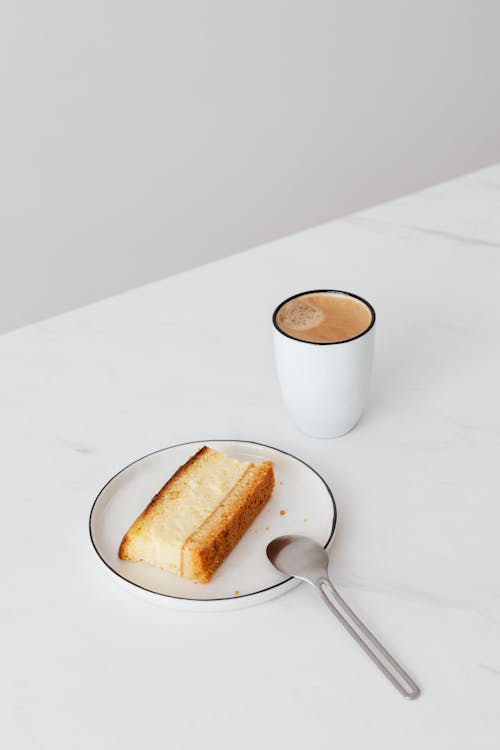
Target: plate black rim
{"type": "Point", "coordinates": [196, 442]}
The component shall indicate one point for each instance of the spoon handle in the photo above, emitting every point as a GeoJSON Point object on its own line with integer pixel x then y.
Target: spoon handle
{"type": "Point", "coordinates": [377, 653]}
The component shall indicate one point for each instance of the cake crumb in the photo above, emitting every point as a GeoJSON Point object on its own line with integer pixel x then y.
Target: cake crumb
{"type": "Point", "coordinates": [267, 528]}
{"type": "Point", "coordinates": [282, 512]}
{"type": "Point", "coordinates": [306, 520]}
{"type": "Point", "coordinates": [236, 593]}
{"type": "Point", "coordinates": [281, 483]}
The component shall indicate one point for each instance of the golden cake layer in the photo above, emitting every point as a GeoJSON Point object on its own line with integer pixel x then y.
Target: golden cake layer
{"type": "Point", "coordinates": [199, 515]}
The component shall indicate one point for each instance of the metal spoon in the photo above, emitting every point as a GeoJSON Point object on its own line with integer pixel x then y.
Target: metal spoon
{"type": "Point", "coordinates": [303, 558]}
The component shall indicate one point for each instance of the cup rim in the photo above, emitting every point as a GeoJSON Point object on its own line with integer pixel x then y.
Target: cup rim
{"type": "Point", "coordinates": [324, 291]}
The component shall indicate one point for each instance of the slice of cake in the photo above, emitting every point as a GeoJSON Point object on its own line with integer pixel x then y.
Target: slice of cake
{"type": "Point", "coordinates": [199, 515]}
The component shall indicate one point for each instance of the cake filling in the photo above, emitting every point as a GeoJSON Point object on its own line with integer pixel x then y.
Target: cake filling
{"type": "Point", "coordinates": [191, 502]}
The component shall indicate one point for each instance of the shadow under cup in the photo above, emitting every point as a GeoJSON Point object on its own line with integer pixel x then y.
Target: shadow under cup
{"type": "Point", "coordinates": [325, 383]}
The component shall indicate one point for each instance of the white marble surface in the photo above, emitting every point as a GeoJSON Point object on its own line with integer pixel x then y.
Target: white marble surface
{"type": "Point", "coordinates": [416, 549]}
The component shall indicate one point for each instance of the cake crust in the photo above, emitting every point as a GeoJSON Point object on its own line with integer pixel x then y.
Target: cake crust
{"type": "Point", "coordinates": [209, 546]}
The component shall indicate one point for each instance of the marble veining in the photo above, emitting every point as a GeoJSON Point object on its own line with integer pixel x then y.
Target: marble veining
{"type": "Point", "coordinates": [416, 483]}
{"type": "Point", "coordinates": [431, 232]}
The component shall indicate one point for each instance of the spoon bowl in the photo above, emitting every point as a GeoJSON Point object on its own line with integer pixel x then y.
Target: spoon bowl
{"type": "Point", "coordinates": [299, 556]}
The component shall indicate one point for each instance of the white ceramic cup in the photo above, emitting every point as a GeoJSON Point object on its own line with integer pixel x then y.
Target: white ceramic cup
{"type": "Point", "coordinates": [324, 386]}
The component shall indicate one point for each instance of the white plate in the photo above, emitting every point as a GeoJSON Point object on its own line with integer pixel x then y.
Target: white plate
{"type": "Point", "coordinates": [246, 577]}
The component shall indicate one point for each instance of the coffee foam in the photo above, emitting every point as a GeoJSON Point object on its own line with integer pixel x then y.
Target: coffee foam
{"type": "Point", "coordinates": [301, 315]}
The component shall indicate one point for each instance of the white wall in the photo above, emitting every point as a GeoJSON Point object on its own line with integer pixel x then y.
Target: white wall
{"type": "Point", "coordinates": [141, 138]}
